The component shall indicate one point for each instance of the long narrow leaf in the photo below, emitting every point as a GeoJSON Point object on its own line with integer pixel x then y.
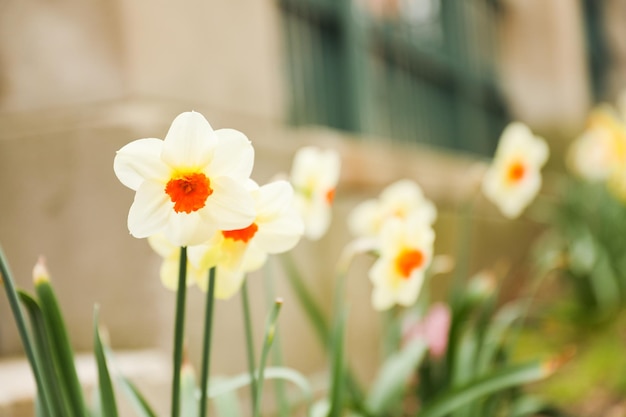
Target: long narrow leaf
{"type": "Point", "coordinates": [61, 346]}
{"type": "Point", "coordinates": [51, 391]}
{"type": "Point", "coordinates": [392, 379]}
{"type": "Point", "coordinates": [497, 381]}
{"type": "Point", "coordinates": [6, 281]}
{"type": "Point", "coordinates": [188, 388]}
{"type": "Point", "coordinates": [105, 386]}
{"type": "Point", "coordinates": [270, 330]}
{"type": "Point", "coordinates": [311, 307]}
{"type": "Point", "coordinates": [338, 370]}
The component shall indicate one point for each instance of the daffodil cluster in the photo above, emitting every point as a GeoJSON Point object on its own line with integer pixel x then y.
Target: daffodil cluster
{"type": "Point", "coordinates": [399, 225]}
{"type": "Point", "coordinates": [599, 153]}
{"type": "Point", "coordinates": [193, 189]}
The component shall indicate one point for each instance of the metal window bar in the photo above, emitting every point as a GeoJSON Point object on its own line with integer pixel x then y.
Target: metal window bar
{"type": "Point", "coordinates": [429, 81]}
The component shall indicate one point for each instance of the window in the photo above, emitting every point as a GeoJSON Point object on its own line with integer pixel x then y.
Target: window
{"type": "Point", "coordinates": [410, 70]}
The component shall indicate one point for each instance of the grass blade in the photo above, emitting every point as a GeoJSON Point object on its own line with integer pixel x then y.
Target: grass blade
{"type": "Point", "coordinates": [270, 330]}
{"type": "Point", "coordinates": [51, 392]}
{"type": "Point", "coordinates": [391, 381]}
{"type": "Point", "coordinates": [497, 381]}
{"type": "Point", "coordinates": [61, 346]}
{"type": "Point", "coordinates": [105, 386]}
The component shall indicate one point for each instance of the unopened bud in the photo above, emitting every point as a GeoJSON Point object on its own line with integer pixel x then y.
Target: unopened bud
{"type": "Point", "coordinates": [40, 272]}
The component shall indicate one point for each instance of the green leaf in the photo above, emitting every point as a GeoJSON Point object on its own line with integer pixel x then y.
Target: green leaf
{"type": "Point", "coordinates": [392, 378]}
{"type": "Point", "coordinates": [227, 404]}
{"type": "Point", "coordinates": [497, 381]}
{"type": "Point", "coordinates": [61, 347]}
{"type": "Point", "coordinates": [51, 393]}
{"type": "Point", "coordinates": [224, 386]}
{"type": "Point", "coordinates": [496, 332]}
{"type": "Point", "coordinates": [311, 307]}
{"type": "Point", "coordinates": [136, 398]}
{"type": "Point", "coordinates": [526, 406]}
{"type": "Point", "coordinates": [105, 386]}
{"type": "Point", "coordinates": [188, 388]}
{"type": "Point", "coordinates": [270, 330]}
{"type": "Point", "coordinates": [6, 281]}
{"type": "Point", "coordinates": [338, 369]}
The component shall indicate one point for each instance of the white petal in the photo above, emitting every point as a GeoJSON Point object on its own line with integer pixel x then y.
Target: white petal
{"type": "Point", "coordinates": [254, 258]}
{"type": "Point", "coordinates": [273, 199]}
{"type": "Point", "coordinates": [161, 245]}
{"type": "Point", "coordinates": [382, 299]}
{"type": "Point", "coordinates": [227, 283]}
{"type": "Point", "coordinates": [364, 219]}
{"type": "Point", "coordinates": [138, 161]}
{"type": "Point", "coordinates": [409, 291]}
{"type": "Point", "coordinates": [187, 229]}
{"type": "Point", "coordinates": [170, 270]}
{"type": "Point", "coordinates": [230, 206]}
{"type": "Point", "coordinates": [190, 142]}
{"type": "Point", "coordinates": [316, 220]}
{"type": "Point", "coordinates": [150, 211]}
{"type": "Point", "coordinates": [234, 155]}
{"type": "Point", "coordinates": [281, 234]}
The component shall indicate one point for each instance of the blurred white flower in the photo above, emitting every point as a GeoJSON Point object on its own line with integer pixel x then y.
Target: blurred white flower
{"type": "Point", "coordinates": [406, 247]}
{"type": "Point", "coordinates": [189, 185]}
{"type": "Point", "coordinates": [314, 175]}
{"type": "Point", "coordinates": [398, 200]}
{"type": "Point", "coordinates": [600, 150]}
{"type": "Point", "coordinates": [277, 228]}
{"type": "Point", "coordinates": [171, 262]}
{"type": "Point", "coordinates": [514, 178]}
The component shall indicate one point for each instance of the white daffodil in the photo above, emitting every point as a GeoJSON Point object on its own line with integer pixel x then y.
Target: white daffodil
{"type": "Point", "coordinates": [190, 184]}
{"type": "Point", "coordinates": [406, 247]}
{"type": "Point", "coordinates": [171, 263]}
{"type": "Point", "coordinates": [399, 200]}
{"type": "Point", "coordinates": [514, 177]}
{"type": "Point", "coordinates": [314, 175]}
{"type": "Point", "coordinates": [600, 151]}
{"type": "Point", "coordinates": [277, 228]}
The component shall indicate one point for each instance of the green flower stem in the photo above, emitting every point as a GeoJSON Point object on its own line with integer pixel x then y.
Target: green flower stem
{"type": "Point", "coordinates": [270, 331]}
{"type": "Point", "coordinates": [6, 280]}
{"type": "Point", "coordinates": [206, 348]}
{"type": "Point", "coordinates": [179, 329]}
{"type": "Point", "coordinates": [249, 341]}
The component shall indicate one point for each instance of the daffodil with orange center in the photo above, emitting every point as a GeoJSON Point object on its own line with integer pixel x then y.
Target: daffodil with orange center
{"type": "Point", "coordinates": [314, 175]}
{"type": "Point", "coordinates": [399, 200]}
{"type": "Point", "coordinates": [514, 177]}
{"type": "Point", "coordinates": [406, 247]}
{"type": "Point", "coordinates": [276, 228]}
{"type": "Point", "coordinates": [189, 185]}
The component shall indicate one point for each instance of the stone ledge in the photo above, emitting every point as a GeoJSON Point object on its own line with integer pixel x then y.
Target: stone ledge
{"type": "Point", "coordinates": [150, 369]}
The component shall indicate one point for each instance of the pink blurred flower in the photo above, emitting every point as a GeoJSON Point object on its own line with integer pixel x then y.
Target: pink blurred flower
{"type": "Point", "coordinates": [433, 328]}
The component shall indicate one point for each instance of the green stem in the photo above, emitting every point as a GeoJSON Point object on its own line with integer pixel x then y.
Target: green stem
{"type": "Point", "coordinates": [206, 348]}
{"type": "Point", "coordinates": [249, 341]}
{"type": "Point", "coordinates": [270, 331]}
{"type": "Point", "coordinates": [179, 329]}
{"type": "Point", "coordinates": [6, 279]}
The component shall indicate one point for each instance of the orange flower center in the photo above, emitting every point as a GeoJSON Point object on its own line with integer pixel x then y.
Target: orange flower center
{"type": "Point", "coordinates": [189, 192]}
{"type": "Point", "coordinates": [516, 171]}
{"type": "Point", "coordinates": [408, 260]}
{"type": "Point", "coordinates": [243, 235]}
{"type": "Point", "coordinates": [330, 196]}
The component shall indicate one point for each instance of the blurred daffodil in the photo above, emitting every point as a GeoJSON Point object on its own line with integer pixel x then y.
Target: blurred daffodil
{"type": "Point", "coordinates": [190, 184]}
{"type": "Point", "coordinates": [277, 228]}
{"type": "Point", "coordinates": [514, 177]}
{"type": "Point", "coordinates": [398, 200]}
{"type": "Point", "coordinates": [171, 262]}
{"type": "Point", "coordinates": [314, 175]}
{"type": "Point", "coordinates": [406, 247]}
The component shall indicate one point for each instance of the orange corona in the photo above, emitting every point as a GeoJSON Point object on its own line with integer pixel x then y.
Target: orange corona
{"type": "Point", "coordinates": [408, 260]}
{"type": "Point", "coordinates": [243, 235]}
{"type": "Point", "coordinates": [516, 172]}
{"type": "Point", "coordinates": [189, 192]}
